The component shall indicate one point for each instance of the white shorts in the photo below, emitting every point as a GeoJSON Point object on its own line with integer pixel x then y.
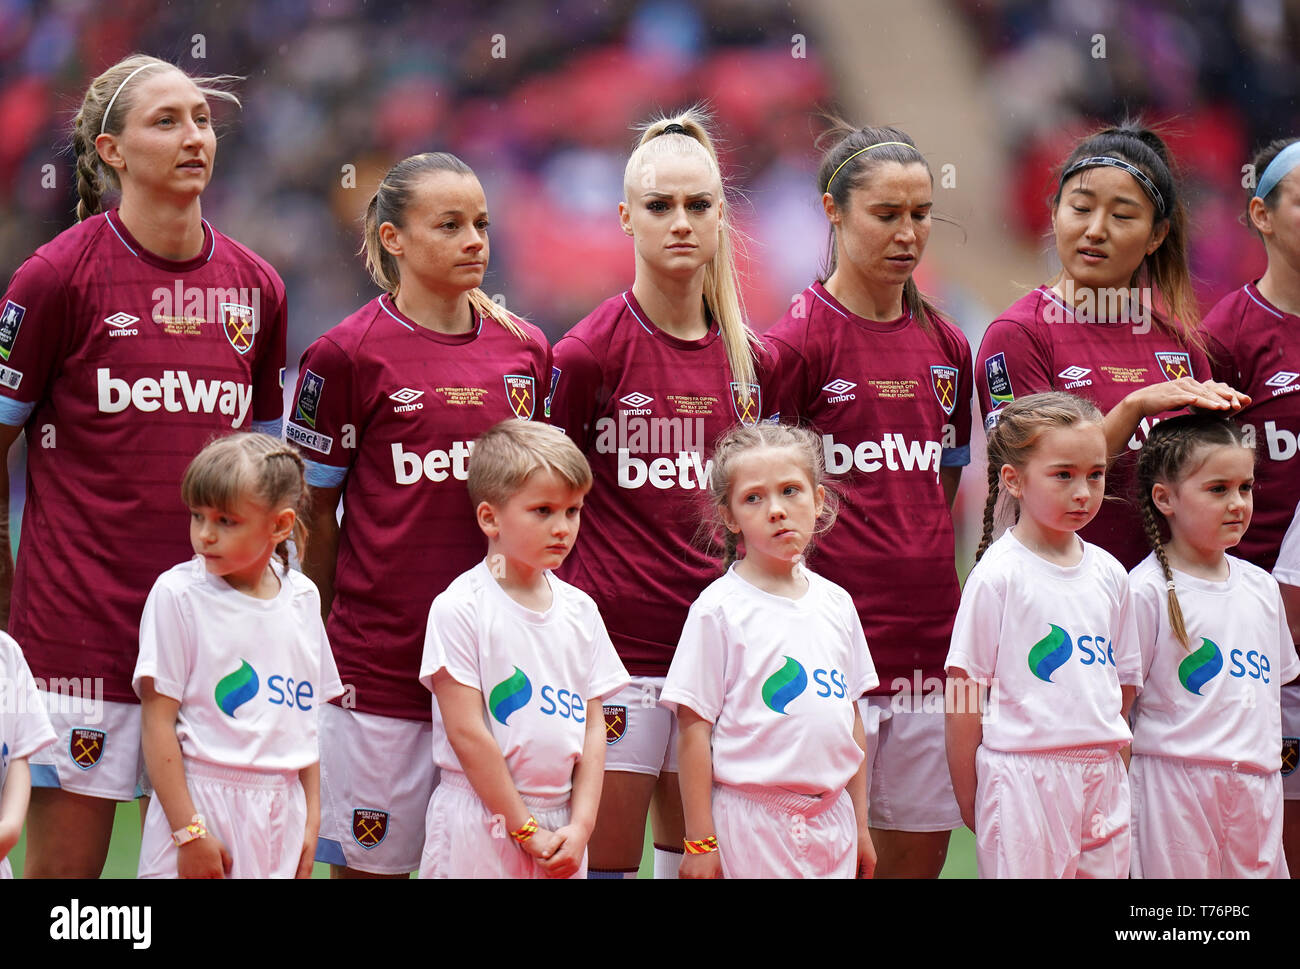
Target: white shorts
{"type": "Point", "coordinates": [376, 778]}
{"type": "Point", "coordinates": [6, 870]}
{"type": "Point", "coordinates": [1194, 820]}
{"type": "Point", "coordinates": [462, 840]}
{"type": "Point", "coordinates": [909, 787]}
{"type": "Point", "coordinates": [771, 833]}
{"type": "Point", "coordinates": [260, 816]}
{"type": "Point", "coordinates": [640, 735]}
{"type": "Point", "coordinates": [1051, 814]}
{"type": "Point", "coordinates": [98, 751]}
{"type": "Point", "coordinates": [1291, 741]}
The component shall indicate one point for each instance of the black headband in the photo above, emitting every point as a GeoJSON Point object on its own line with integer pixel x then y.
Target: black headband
{"type": "Point", "coordinates": [1106, 160]}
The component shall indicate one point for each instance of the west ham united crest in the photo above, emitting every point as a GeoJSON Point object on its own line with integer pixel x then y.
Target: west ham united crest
{"type": "Point", "coordinates": [944, 381]}
{"type": "Point", "coordinates": [615, 723]}
{"type": "Point", "coordinates": [86, 746]}
{"type": "Point", "coordinates": [369, 827]}
{"type": "Point", "coordinates": [1290, 754]}
{"type": "Point", "coordinates": [239, 323]}
{"type": "Point", "coordinates": [747, 411]}
{"type": "Point", "coordinates": [1174, 365]}
{"type": "Point", "coordinates": [519, 392]}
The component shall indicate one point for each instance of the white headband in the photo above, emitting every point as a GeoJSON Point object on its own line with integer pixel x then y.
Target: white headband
{"type": "Point", "coordinates": [104, 121]}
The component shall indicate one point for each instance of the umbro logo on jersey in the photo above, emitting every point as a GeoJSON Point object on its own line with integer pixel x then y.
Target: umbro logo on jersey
{"type": "Point", "coordinates": [839, 390]}
{"type": "Point", "coordinates": [637, 402]}
{"type": "Point", "coordinates": [1075, 377]}
{"type": "Point", "coordinates": [122, 324]}
{"type": "Point", "coordinates": [406, 400]}
{"type": "Point", "coordinates": [1283, 382]}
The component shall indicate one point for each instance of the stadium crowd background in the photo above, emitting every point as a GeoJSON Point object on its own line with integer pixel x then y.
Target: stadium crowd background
{"type": "Point", "coordinates": [539, 100]}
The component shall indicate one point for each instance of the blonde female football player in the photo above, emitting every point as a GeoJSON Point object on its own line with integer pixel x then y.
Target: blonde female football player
{"type": "Point", "coordinates": [233, 668]}
{"type": "Point", "coordinates": [1254, 340]}
{"type": "Point", "coordinates": [1045, 621]}
{"type": "Point", "coordinates": [128, 342]}
{"type": "Point", "coordinates": [766, 678]}
{"type": "Point", "coordinates": [387, 407]}
{"type": "Point", "coordinates": [886, 380]}
{"type": "Point", "coordinates": [1207, 792]}
{"type": "Point", "coordinates": [644, 386]}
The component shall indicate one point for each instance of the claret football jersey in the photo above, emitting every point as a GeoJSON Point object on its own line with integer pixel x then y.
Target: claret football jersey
{"type": "Point", "coordinates": [891, 403]}
{"type": "Point", "coordinates": [389, 410]}
{"type": "Point", "coordinates": [1039, 343]}
{"type": "Point", "coordinates": [646, 408]}
{"type": "Point", "coordinates": [122, 365]}
{"type": "Point", "coordinates": [1255, 347]}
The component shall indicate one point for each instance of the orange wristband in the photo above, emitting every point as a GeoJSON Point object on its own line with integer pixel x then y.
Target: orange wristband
{"type": "Point", "coordinates": [702, 847]}
{"type": "Point", "coordinates": [525, 832]}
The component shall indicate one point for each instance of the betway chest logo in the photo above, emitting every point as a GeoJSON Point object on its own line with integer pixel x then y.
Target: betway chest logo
{"type": "Point", "coordinates": [410, 466]}
{"type": "Point", "coordinates": [892, 451]}
{"type": "Point", "coordinates": [174, 392]}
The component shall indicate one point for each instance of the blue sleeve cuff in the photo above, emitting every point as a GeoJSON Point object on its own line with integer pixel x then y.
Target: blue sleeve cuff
{"type": "Point", "coordinates": [15, 412]}
{"type": "Point", "coordinates": [324, 475]}
{"type": "Point", "coordinates": [955, 457]}
{"type": "Point", "coordinates": [275, 428]}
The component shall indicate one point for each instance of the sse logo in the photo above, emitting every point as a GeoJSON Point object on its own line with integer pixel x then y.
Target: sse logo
{"type": "Point", "coordinates": [1206, 663]}
{"type": "Point", "coordinates": [1051, 652]}
{"type": "Point", "coordinates": [789, 682]}
{"type": "Point", "coordinates": [514, 692]}
{"type": "Point", "coordinates": [236, 689]}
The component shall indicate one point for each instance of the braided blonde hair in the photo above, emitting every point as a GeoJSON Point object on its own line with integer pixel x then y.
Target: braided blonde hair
{"type": "Point", "coordinates": [114, 89]}
{"type": "Point", "coordinates": [251, 465]}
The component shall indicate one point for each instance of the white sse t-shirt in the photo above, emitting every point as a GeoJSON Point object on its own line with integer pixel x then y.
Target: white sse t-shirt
{"type": "Point", "coordinates": [1054, 644]}
{"type": "Point", "coordinates": [1217, 699]}
{"type": "Point", "coordinates": [536, 671]}
{"type": "Point", "coordinates": [24, 726]}
{"type": "Point", "coordinates": [778, 679]}
{"type": "Point", "coordinates": [249, 673]}
{"type": "Point", "coordinates": [1287, 568]}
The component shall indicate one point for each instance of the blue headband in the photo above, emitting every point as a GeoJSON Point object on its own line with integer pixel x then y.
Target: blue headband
{"type": "Point", "coordinates": [1278, 169]}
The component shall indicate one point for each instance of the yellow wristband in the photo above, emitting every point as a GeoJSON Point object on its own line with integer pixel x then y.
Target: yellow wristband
{"type": "Point", "coordinates": [702, 847]}
{"type": "Point", "coordinates": [526, 831]}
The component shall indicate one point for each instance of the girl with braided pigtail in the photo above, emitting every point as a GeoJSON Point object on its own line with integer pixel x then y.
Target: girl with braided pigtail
{"type": "Point", "coordinates": [128, 341]}
{"type": "Point", "coordinates": [1045, 624]}
{"type": "Point", "coordinates": [1216, 648]}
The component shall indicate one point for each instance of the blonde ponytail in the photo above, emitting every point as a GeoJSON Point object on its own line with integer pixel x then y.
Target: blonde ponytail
{"type": "Point", "coordinates": [389, 204]}
{"type": "Point", "coordinates": [690, 134]}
